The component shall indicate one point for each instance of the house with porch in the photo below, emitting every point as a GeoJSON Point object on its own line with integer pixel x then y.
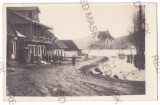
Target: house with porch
{"type": "Point", "coordinates": [26, 36]}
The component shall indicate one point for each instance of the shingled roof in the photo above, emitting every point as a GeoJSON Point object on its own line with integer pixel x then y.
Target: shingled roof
{"type": "Point", "coordinates": [15, 9]}
{"type": "Point", "coordinates": [50, 35]}
{"type": "Point", "coordinates": [70, 44]}
{"type": "Point", "coordinates": [57, 44]}
{"type": "Point", "coordinates": [105, 35]}
{"type": "Point", "coordinates": [24, 8]}
{"type": "Point", "coordinates": [26, 18]}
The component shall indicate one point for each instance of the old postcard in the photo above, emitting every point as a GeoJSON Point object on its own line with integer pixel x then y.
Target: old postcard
{"type": "Point", "coordinates": [80, 51]}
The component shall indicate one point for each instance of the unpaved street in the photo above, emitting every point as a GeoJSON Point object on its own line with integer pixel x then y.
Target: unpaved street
{"type": "Point", "coordinates": [43, 80]}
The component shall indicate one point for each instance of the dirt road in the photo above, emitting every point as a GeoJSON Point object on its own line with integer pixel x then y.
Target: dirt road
{"type": "Point", "coordinates": [69, 80]}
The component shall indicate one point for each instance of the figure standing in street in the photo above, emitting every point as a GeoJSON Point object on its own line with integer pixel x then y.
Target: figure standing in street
{"type": "Point", "coordinates": [131, 58]}
{"type": "Point", "coordinates": [55, 59]}
{"type": "Point", "coordinates": [32, 58]}
{"type": "Point", "coordinates": [73, 61]}
{"type": "Point", "coordinates": [61, 59]}
{"type": "Point", "coordinates": [47, 58]}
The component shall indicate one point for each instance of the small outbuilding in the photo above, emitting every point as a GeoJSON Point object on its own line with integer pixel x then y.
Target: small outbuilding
{"type": "Point", "coordinates": [72, 49]}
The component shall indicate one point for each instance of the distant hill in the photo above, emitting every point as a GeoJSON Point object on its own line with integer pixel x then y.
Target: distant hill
{"type": "Point", "coordinates": [89, 42]}
{"type": "Point", "coordinates": [83, 43]}
{"type": "Point", "coordinates": [119, 42]}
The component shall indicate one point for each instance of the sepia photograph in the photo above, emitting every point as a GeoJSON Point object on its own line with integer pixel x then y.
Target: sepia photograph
{"type": "Point", "coordinates": [76, 50]}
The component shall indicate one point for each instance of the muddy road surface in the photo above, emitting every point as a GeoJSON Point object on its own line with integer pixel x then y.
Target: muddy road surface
{"type": "Point", "coordinates": [68, 80]}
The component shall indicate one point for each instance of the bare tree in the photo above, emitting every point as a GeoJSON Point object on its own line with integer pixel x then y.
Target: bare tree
{"type": "Point", "coordinates": [137, 37]}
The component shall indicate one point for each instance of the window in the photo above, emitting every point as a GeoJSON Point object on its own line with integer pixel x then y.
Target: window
{"type": "Point", "coordinates": [61, 52]}
{"type": "Point", "coordinates": [36, 31]}
{"type": "Point", "coordinates": [44, 50]}
{"type": "Point", "coordinates": [35, 15]}
{"type": "Point", "coordinates": [56, 52]}
{"type": "Point", "coordinates": [39, 50]}
{"type": "Point", "coordinates": [36, 50]}
{"type": "Point", "coordinates": [28, 31]}
{"type": "Point", "coordinates": [11, 47]}
{"type": "Point", "coordinates": [28, 50]}
{"type": "Point", "coordinates": [39, 31]}
{"type": "Point", "coordinates": [30, 14]}
{"type": "Point", "coordinates": [32, 50]}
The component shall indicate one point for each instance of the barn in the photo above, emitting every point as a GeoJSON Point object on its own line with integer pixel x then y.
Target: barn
{"type": "Point", "coordinates": [57, 48]}
{"type": "Point", "coordinates": [71, 49]}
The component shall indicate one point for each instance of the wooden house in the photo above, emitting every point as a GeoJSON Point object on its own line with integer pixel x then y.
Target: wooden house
{"type": "Point", "coordinates": [26, 36]}
{"type": "Point", "coordinates": [105, 40]}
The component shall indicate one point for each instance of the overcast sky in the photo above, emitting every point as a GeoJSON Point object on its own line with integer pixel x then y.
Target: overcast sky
{"type": "Point", "coordinates": [69, 21]}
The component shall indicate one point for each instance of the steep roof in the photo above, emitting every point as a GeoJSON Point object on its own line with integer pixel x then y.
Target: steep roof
{"type": "Point", "coordinates": [57, 44]}
{"type": "Point", "coordinates": [11, 31]}
{"type": "Point", "coordinates": [24, 8]}
{"type": "Point", "coordinates": [28, 19]}
{"type": "Point", "coordinates": [50, 35]}
{"type": "Point", "coordinates": [14, 10]}
{"type": "Point", "coordinates": [70, 44]}
{"type": "Point", "coordinates": [105, 35]}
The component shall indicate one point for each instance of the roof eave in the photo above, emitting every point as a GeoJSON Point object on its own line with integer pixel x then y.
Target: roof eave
{"type": "Point", "coordinates": [26, 18]}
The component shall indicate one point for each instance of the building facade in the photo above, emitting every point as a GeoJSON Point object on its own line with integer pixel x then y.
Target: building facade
{"type": "Point", "coordinates": [105, 40]}
{"type": "Point", "coordinates": [57, 48]}
{"type": "Point", "coordinates": [26, 36]}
